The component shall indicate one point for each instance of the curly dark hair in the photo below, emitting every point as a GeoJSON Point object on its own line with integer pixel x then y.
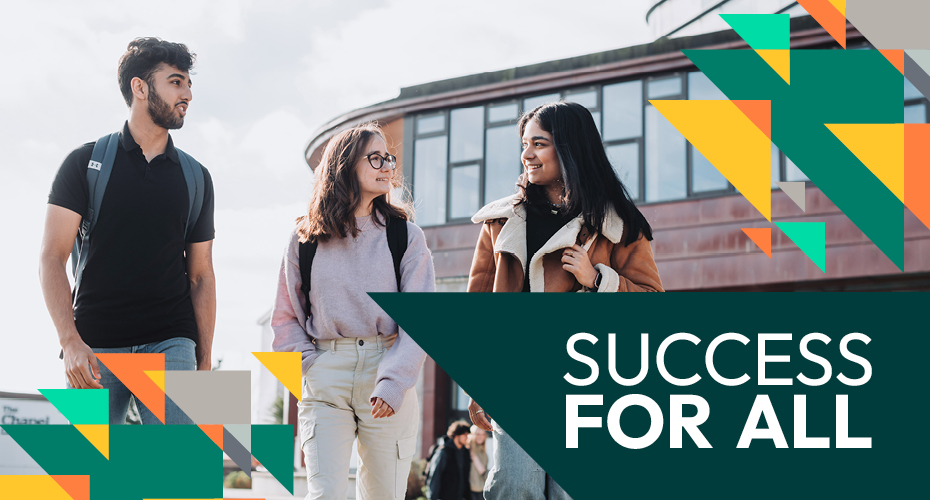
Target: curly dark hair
{"type": "Point", "coordinates": [144, 55]}
{"type": "Point", "coordinates": [458, 428]}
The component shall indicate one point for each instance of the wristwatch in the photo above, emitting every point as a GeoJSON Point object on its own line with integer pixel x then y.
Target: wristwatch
{"type": "Point", "coordinates": [597, 282]}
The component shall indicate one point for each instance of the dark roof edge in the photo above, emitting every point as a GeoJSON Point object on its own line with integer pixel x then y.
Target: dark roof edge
{"type": "Point", "coordinates": [540, 77]}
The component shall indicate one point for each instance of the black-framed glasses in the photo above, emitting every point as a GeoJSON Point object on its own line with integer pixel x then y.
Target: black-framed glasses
{"type": "Point", "coordinates": [377, 161]}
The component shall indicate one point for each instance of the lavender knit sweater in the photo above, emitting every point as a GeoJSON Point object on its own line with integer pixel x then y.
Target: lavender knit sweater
{"type": "Point", "coordinates": [344, 271]}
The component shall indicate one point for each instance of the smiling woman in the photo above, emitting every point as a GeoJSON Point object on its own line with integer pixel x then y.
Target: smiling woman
{"type": "Point", "coordinates": [351, 234]}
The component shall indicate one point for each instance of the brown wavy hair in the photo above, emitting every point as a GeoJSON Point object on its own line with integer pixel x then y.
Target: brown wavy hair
{"type": "Point", "coordinates": [336, 192]}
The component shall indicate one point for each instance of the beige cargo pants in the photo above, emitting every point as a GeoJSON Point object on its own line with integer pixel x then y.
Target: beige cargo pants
{"type": "Point", "coordinates": [335, 408]}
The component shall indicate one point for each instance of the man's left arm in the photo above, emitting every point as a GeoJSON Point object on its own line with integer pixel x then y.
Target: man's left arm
{"type": "Point", "coordinates": [203, 295]}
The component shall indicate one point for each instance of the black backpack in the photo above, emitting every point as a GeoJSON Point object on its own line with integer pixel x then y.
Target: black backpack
{"type": "Point", "coordinates": [397, 242]}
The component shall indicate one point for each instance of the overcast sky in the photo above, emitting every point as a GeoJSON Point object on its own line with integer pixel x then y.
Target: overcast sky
{"type": "Point", "coordinates": [267, 75]}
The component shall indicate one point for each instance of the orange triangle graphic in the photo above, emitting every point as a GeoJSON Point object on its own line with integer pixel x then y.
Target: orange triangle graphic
{"type": "Point", "coordinates": [895, 57]}
{"type": "Point", "coordinates": [917, 170]}
{"type": "Point", "coordinates": [761, 236]}
{"type": "Point", "coordinates": [130, 369]}
{"type": "Point", "coordinates": [214, 432]}
{"type": "Point", "coordinates": [832, 20]}
{"type": "Point", "coordinates": [78, 487]}
{"type": "Point", "coordinates": [759, 112]}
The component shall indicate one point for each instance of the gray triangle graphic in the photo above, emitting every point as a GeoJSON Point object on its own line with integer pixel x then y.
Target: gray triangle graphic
{"type": "Point", "coordinates": [242, 433]}
{"type": "Point", "coordinates": [795, 191]}
{"type": "Point", "coordinates": [237, 452]}
{"type": "Point", "coordinates": [916, 67]}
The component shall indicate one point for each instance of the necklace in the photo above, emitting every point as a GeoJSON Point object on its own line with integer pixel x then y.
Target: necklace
{"type": "Point", "coordinates": [364, 227]}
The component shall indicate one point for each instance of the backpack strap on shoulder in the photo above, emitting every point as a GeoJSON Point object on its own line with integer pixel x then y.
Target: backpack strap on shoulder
{"type": "Point", "coordinates": [193, 176]}
{"type": "Point", "coordinates": [98, 174]}
{"type": "Point", "coordinates": [397, 242]}
{"type": "Point", "coordinates": [305, 253]}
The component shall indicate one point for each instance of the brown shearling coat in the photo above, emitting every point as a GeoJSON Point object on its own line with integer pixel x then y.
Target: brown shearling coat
{"type": "Point", "coordinates": [500, 255]}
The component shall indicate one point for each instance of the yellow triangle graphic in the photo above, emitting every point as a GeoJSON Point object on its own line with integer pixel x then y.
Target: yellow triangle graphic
{"type": "Point", "coordinates": [158, 377]}
{"type": "Point", "coordinates": [286, 367]}
{"type": "Point", "coordinates": [780, 61]}
{"type": "Point", "coordinates": [880, 147]}
{"type": "Point", "coordinates": [98, 435]}
{"type": "Point", "coordinates": [840, 6]}
{"type": "Point", "coordinates": [730, 141]}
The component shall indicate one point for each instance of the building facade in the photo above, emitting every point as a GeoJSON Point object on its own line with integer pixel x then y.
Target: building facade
{"type": "Point", "coordinates": [458, 147]}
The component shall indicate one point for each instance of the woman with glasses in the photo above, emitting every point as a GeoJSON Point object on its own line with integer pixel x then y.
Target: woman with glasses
{"type": "Point", "coordinates": [359, 367]}
{"type": "Point", "coordinates": [571, 227]}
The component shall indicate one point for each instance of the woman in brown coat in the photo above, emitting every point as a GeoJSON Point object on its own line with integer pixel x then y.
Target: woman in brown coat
{"type": "Point", "coordinates": [571, 227]}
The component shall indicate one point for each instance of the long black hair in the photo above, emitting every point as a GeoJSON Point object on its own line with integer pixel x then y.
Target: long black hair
{"type": "Point", "coordinates": [591, 184]}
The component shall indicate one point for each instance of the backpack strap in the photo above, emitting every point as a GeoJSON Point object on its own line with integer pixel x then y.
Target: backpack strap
{"type": "Point", "coordinates": [305, 253]}
{"type": "Point", "coordinates": [193, 176]}
{"type": "Point", "coordinates": [98, 174]}
{"type": "Point", "coordinates": [397, 242]}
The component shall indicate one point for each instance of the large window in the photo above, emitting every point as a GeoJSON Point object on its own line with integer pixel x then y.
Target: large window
{"type": "Point", "coordinates": [469, 156]}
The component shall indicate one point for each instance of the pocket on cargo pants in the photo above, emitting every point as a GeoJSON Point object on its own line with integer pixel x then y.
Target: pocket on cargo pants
{"type": "Point", "coordinates": [405, 449]}
{"type": "Point", "coordinates": [310, 446]}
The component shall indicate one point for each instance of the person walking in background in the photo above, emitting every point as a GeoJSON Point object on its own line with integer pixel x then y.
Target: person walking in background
{"type": "Point", "coordinates": [572, 226]}
{"type": "Point", "coordinates": [359, 366]}
{"type": "Point", "coordinates": [449, 469]}
{"type": "Point", "coordinates": [144, 283]}
{"type": "Point", "coordinates": [479, 462]}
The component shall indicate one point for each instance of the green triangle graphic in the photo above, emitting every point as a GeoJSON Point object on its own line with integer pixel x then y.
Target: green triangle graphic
{"type": "Point", "coordinates": [810, 237]}
{"type": "Point", "coordinates": [273, 446]}
{"type": "Point", "coordinates": [81, 406]}
{"type": "Point", "coordinates": [762, 31]}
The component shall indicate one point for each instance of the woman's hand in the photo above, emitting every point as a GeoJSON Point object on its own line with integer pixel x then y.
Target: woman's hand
{"type": "Point", "coordinates": [380, 409]}
{"type": "Point", "coordinates": [478, 416]}
{"type": "Point", "coordinates": [575, 260]}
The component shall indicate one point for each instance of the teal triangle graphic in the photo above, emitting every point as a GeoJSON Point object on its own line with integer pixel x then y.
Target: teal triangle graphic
{"type": "Point", "coordinates": [762, 31]}
{"type": "Point", "coordinates": [810, 237]}
{"type": "Point", "coordinates": [81, 406]}
{"type": "Point", "coordinates": [273, 446]}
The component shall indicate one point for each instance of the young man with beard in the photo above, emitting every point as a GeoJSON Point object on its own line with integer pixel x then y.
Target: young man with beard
{"type": "Point", "coordinates": [148, 283]}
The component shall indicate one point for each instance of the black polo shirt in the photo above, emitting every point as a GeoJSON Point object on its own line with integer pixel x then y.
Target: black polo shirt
{"type": "Point", "coordinates": [135, 288]}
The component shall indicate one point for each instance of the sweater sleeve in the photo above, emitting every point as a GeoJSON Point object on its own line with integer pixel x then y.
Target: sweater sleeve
{"type": "Point", "coordinates": [632, 269]}
{"type": "Point", "coordinates": [401, 364]}
{"type": "Point", "coordinates": [288, 319]}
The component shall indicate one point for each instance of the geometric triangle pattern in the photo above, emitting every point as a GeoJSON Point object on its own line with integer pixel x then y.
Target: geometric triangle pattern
{"type": "Point", "coordinates": [762, 237]}
{"type": "Point", "coordinates": [917, 170]}
{"type": "Point", "coordinates": [44, 487]}
{"type": "Point", "coordinates": [880, 147]}
{"type": "Point", "coordinates": [286, 367]}
{"type": "Point", "coordinates": [242, 433]}
{"type": "Point", "coordinates": [238, 453]}
{"type": "Point", "coordinates": [917, 69]}
{"type": "Point", "coordinates": [762, 31]}
{"type": "Point", "coordinates": [130, 369]}
{"type": "Point", "coordinates": [158, 377]}
{"type": "Point", "coordinates": [829, 16]}
{"type": "Point", "coordinates": [98, 435]}
{"type": "Point", "coordinates": [81, 406]}
{"type": "Point", "coordinates": [733, 143]}
{"type": "Point", "coordinates": [895, 57]}
{"type": "Point", "coordinates": [78, 487]}
{"type": "Point", "coordinates": [214, 432]}
{"type": "Point", "coordinates": [778, 60]}
{"type": "Point", "coordinates": [273, 446]}
{"type": "Point", "coordinates": [810, 237]}
{"type": "Point", "coordinates": [212, 397]}
{"type": "Point", "coordinates": [796, 191]}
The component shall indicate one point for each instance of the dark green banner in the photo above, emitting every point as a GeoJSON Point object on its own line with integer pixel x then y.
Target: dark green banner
{"type": "Point", "coordinates": [867, 409]}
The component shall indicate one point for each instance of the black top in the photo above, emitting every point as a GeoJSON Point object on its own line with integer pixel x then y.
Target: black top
{"type": "Point", "coordinates": [135, 288]}
{"type": "Point", "coordinates": [543, 220]}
